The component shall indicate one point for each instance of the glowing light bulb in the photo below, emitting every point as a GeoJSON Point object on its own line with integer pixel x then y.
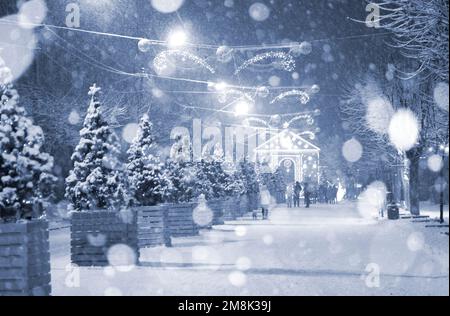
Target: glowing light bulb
{"type": "Point", "coordinates": [177, 39]}
{"type": "Point", "coordinates": [242, 108]}
{"type": "Point", "coordinates": [221, 86]}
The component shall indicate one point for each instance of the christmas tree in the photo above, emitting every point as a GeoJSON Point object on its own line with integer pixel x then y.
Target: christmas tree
{"type": "Point", "coordinates": [234, 185]}
{"type": "Point", "coordinates": [247, 173]}
{"type": "Point", "coordinates": [212, 180]}
{"type": "Point", "coordinates": [180, 172]}
{"type": "Point", "coordinates": [96, 180]}
{"type": "Point", "coordinates": [145, 175]}
{"type": "Point", "coordinates": [25, 171]}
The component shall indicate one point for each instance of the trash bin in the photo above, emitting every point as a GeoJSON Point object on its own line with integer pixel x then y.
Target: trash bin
{"type": "Point", "coordinates": [393, 212]}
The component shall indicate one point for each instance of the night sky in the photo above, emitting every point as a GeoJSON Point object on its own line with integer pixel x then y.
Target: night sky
{"type": "Point", "coordinates": [68, 62]}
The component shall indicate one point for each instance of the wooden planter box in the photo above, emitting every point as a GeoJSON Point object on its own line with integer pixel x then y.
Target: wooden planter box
{"type": "Point", "coordinates": [153, 226]}
{"type": "Point", "coordinates": [94, 232]}
{"type": "Point", "coordinates": [180, 219]}
{"type": "Point", "coordinates": [217, 206]}
{"type": "Point", "coordinates": [25, 259]}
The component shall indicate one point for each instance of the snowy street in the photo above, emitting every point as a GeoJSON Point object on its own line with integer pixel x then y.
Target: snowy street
{"type": "Point", "coordinates": [326, 250]}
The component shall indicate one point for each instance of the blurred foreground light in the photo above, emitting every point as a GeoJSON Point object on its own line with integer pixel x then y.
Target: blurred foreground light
{"type": "Point", "coordinates": [177, 39]}
{"type": "Point", "coordinates": [221, 86]}
{"type": "Point", "coordinates": [242, 108]}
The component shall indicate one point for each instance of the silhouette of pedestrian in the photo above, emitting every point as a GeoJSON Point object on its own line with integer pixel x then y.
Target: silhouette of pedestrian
{"type": "Point", "coordinates": [297, 190]}
{"type": "Point", "coordinates": [307, 191]}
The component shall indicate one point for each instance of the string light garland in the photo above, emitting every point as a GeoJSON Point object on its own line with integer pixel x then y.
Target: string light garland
{"type": "Point", "coordinates": [308, 117]}
{"type": "Point", "coordinates": [286, 61]}
{"type": "Point", "coordinates": [250, 120]}
{"type": "Point", "coordinates": [162, 59]}
{"type": "Point", "coordinates": [146, 41]}
{"type": "Point", "coordinates": [268, 116]}
{"type": "Point", "coordinates": [223, 97]}
{"type": "Point", "coordinates": [303, 96]}
{"type": "Point", "coordinates": [204, 46]}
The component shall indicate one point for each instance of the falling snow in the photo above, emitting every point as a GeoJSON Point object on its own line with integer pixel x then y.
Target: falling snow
{"type": "Point", "coordinates": [275, 147]}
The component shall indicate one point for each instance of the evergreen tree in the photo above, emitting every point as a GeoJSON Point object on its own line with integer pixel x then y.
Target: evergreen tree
{"type": "Point", "coordinates": [145, 175]}
{"type": "Point", "coordinates": [211, 179]}
{"type": "Point", "coordinates": [234, 185]}
{"type": "Point", "coordinates": [25, 171]}
{"type": "Point", "coordinates": [247, 173]}
{"type": "Point", "coordinates": [96, 180]}
{"type": "Point", "coordinates": [180, 172]}
{"type": "Point", "coordinates": [181, 176]}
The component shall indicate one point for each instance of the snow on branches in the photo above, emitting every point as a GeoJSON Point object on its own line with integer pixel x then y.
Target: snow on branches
{"type": "Point", "coordinates": [25, 171]}
{"type": "Point", "coordinates": [96, 180]}
{"type": "Point", "coordinates": [146, 177]}
{"type": "Point", "coordinates": [420, 30]}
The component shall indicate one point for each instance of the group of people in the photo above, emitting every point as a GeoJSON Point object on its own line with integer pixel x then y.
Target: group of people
{"type": "Point", "coordinates": [293, 194]}
{"type": "Point", "coordinates": [327, 193]}
{"type": "Point", "coordinates": [324, 193]}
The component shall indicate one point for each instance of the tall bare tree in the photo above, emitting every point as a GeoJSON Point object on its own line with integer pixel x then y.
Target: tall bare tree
{"type": "Point", "coordinates": [392, 95]}
{"type": "Point", "coordinates": [420, 30]}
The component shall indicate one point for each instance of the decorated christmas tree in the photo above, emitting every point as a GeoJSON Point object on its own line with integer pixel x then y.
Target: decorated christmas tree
{"type": "Point", "coordinates": [97, 178]}
{"type": "Point", "coordinates": [146, 178]}
{"type": "Point", "coordinates": [25, 171]}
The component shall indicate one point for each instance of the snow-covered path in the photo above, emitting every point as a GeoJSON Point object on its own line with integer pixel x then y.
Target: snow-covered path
{"type": "Point", "coordinates": [327, 250]}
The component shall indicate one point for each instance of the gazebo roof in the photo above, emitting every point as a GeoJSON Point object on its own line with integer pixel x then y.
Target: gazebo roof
{"type": "Point", "coordinates": [287, 142]}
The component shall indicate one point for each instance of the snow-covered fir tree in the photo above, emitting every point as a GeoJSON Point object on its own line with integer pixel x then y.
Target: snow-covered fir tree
{"type": "Point", "coordinates": [147, 180]}
{"type": "Point", "coordinates": [97, 178]}
{"type": "Point", "coordinates": [25, 171]}
{"type": "Point", "coordinates": [234, 185]}
{"type": "Point", "coordinates": [211, 179]}
{"type": "Point", "coordinates": [247, 173]}
{"type": "Point", "coordinates": [180, 172]}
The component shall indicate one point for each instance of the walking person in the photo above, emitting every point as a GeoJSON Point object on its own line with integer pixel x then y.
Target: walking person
{"type": "Point", "coordinates": [322, 197]}
{"type": "Point", "coordinates": [329, 194]}
{"type": "Point", "coordinates": [297, 191]}
{"type": "Point", "coordinates": [335, 191]}
{"type": "Point", "coordinates": [265, 202]}
{"type": "Point", "coordinates": [289, 195]}
{"type": "Point", "coordinates": [307, 193]}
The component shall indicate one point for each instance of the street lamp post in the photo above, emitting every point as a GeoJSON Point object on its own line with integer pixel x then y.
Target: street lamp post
{"type": "Point", "coordinates": [441, 195]}
{"type": "Point", "coordinates": [444, 152]}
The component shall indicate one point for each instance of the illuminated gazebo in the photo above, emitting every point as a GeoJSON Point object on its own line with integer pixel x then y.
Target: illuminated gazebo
{"type": "Point", "coordinates": [298, 158]}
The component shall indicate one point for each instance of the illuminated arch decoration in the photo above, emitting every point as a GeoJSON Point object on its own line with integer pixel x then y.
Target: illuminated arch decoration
{"type": "Point", "coordinates": [289, 146]}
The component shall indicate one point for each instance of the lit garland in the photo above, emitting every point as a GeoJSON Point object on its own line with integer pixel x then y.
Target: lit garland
{"type": "Point", "coordinates": [223, 96]}
{"type": "Point", "coordinates": [287, 62]}
{"type": "Point", "coordinates": [310, 135]}
{"type": "Point", "coordinates": [161, 60]}
{"type": "Point", "coordinates": [250, 120]}
{"type": "Point", "coordinates": [241, 94]}
{"type": "Point", "coordinates": [303, 96]}
{"type": "Point", "coordinates": [309, 119]}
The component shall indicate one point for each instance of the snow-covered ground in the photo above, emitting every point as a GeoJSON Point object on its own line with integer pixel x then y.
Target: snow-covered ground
{"type": "Point", "coordinates": [433, 210]}
{"type": "Point", "coordinates": [326, 250]}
